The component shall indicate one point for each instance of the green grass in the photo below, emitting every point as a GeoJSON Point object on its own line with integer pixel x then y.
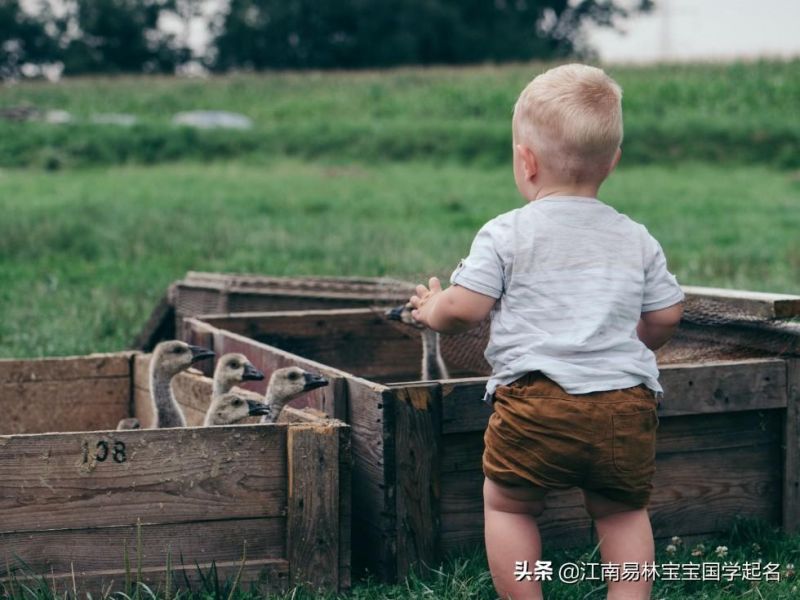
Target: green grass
{"type": "Point", "coordinates": [86, 254]}
{"type": "Point", "coordinates": [734, 113]}
{"type": "Point", "coordinates": [467, 576]}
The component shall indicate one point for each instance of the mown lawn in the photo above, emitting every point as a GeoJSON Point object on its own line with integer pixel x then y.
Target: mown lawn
{"type": "Point", "coordinates": [85, 254]}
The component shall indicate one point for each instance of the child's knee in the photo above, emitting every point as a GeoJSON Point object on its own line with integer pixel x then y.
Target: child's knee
{"type": "Point", "coordinates": [526, 499]}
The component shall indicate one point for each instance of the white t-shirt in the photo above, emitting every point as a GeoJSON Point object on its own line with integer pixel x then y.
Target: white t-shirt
{"type": "Point", "coordinates": [572, 277]}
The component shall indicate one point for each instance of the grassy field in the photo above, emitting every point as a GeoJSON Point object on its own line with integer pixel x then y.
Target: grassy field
{"type": "Point", "coordinates": [467, 577]}
{"type": "Point", "coordinates": [87, 253]}
{"type": "Point", "coordinates": [733, 113]}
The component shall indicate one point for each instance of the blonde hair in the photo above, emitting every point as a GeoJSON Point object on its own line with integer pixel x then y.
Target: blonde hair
{"type": "Point", "coordinates": [571, 117]}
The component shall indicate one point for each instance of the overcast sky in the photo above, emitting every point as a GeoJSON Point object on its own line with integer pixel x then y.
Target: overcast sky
{"type": "Point", "coordinates": [698, 29]}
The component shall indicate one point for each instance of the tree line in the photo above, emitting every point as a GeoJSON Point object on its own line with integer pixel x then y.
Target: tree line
{"type": "Point", "coordinates": [153, 36]}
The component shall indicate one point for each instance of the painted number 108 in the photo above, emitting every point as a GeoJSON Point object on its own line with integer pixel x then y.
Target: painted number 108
{"type": "Point", "coordinates": [105, 450]}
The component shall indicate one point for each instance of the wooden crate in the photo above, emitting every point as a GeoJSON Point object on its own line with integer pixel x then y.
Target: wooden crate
{"type": "Point", "coordinates": [271, 500]}
{"type": "Point", "coordinates": [727, 443]}
{"type": "Point", "coordinates": [202, 293]}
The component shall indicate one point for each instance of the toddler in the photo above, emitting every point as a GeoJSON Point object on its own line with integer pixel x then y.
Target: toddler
{"type": "Point", "coordinates": [579, 297]}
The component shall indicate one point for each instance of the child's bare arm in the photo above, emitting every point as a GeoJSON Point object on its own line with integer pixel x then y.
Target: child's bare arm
{"type": "Point", "coordinates": [656, 327]}
{"type": "Point", "coordinates": [453, 310]}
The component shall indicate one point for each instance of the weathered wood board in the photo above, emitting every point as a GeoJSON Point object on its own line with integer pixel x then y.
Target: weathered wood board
{"type": "Point", "coordinates": [243, 497]}
{"type": "Point", "coordinates": [74, 393]}
{"type": "Point", "coordinates": [723, 442]}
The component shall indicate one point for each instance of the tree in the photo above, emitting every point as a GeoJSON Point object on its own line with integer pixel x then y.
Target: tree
{"type": "Point", "coordinates": [260, 34]}
{"type": "Point", "coordinates": [24, 40]}
{"type": "Point", "coordinates": [118, 36]}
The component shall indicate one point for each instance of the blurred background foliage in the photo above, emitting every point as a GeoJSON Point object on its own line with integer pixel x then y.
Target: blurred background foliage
{"type": "Point", "coordinates": [131, 36]}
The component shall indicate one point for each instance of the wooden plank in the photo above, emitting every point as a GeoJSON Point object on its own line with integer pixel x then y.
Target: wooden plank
{"type": "Point", "coordinates": [100, 548]}
{"type": "Point", "coordinates": [51, 481]}
{"type": "Point", "coordinates": [310, 416]}
{"type": "Point", "coordinates": [266, 576]}
{"type": "Point", "coordinates": [68, 368]}
{"type": "Point", "coordinates": [563, 523]}
{"type": "Point", "coordinates": [723, 386]}
{"type": "Point", "coordinates": [791, 449]}
{"type": "Point", "coordinates": [71, 405]}
{"type": "Point", "coordinates": [312, 520]}
{"type": "Point", "coordinates": [417, 419]}
{"type": "Point", "coordinates": [463, 408]}
{"type": "Point", "coordinates": [752, 304]}
{"type": "Point", "coordinates": [371, 416]}
{"type": "Point", "coordinates": [699, 492]}
{"type": "Point", "coordinates": [359, 341]}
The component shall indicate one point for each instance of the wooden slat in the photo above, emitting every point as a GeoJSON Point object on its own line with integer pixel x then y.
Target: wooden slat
{"type": "Point", "coordinates": [359, 341]}
{"type": "Point", "coordinates": [265, 576]}
{"type": "Point", "coordinates": [753, 304]}
{"type": "Point", "coordinates": [310, 416]}
{"type": "Point", "coordinates": [463, 408]}
{"type": "Point", "coordinates": [563, 523]}
{"type": "Point", "coordinates": [168, 476]}
{"type": "Point", "coordinates": [723, 386]}
{"type": "Point", "coordinates": [313, 506]}
{"type": "Point", "coordinates": [791, 446]}
{"type": "Point", "coordinates": [417, 418]}
{"type": "Point", "coordinates": [69, 368]}
{"type": "Point", "coordinates": [371, 416]}
{"type": "Point", "coordinates": [88, 404]}
{"type": "Point", "coordinates": [699, 492]}
{"type": "Point", "coordinates": [101, 548]}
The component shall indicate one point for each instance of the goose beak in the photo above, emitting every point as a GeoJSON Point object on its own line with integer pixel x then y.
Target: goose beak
{"type": "Point", "coordinates": [252, 374]}
{"type": "Point", "coordinates": [199, 353]}
{"type": "Point", "coordinates": [395, 314]}
{"type": "Point", "coordinates": [257, 408]}
{"type": "Point", "coordinates": [313, 381]}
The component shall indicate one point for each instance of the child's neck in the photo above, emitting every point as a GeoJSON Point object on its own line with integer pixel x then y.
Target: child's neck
{"type": "Point", "coordinates": [587, 190]}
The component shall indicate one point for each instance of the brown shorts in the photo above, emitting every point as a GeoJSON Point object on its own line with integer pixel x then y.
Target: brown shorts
{"type": "Point", "coordinates": [602, 442]}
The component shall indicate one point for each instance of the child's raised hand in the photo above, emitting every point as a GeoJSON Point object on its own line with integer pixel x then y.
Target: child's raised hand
{"type": "Point", "coordinates": [421, 301]}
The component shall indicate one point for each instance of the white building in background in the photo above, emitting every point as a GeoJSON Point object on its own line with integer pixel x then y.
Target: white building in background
{"type": "Point", "coordinates": [686, 30]}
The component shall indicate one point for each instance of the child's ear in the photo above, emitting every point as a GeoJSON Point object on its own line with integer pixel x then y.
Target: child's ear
{"type": "Point", "coordinates": [529, 164]}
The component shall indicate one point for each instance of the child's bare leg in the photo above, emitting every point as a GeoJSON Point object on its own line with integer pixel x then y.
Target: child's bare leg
{"type": "Point", "coordinates": [512, 536]}
{"type": "Point", "coordinates": [625, 535]}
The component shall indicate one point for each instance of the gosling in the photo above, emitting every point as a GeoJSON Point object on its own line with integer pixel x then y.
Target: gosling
{"type": "Point", "coordinates": [229, 408]}
{"type": "Point", "coordinates": [285, 385]}
{"type": "Point", "coordinates": [232, 369]}
{"type": "Point", "coordinates": [433, 365]}
{"type": "Point", "coordinates": [169, 359]}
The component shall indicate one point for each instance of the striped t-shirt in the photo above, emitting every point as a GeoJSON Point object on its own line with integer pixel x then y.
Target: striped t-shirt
{"type": "Point", "coordinates": [572, 277]}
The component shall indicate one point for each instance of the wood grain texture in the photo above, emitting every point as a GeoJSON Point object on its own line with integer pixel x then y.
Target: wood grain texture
{"type": "Point", "coordinates": [563, 523]}
{"type": "Point", "coordinates": [700, 492]}
{"type": "Point", "coordinates": [791, 449]}
{"type": "Point", "coordinates": [102, 548]}
{"type": "Point", "coordinates": [168, 476]}
{"type": "Point", "coordinates": [417, 420]}
{"type": "Point", "coordinates": [360, 341]}
{"type": "Point", "coordinates": [81, 393]}
{"type": "Point", "coordinates": [751, 304]}
{"type": "Point", "coordinates": [73, 405]}
{"type": "Point", "coordinates": [723, 386]}
{"type": "Point", "coordinates": [68, 368]}
{"type": "Point", "coordinates": [312, 536]}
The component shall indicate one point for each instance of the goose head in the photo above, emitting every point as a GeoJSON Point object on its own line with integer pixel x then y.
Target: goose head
{"type": "Point", "coordinates": [232, 408]}
{"type": "Point", "coordinates": [129, 423]}
{"type": "Point", "coordinates": [403, 314]}
{"type": "Point", "coordinates": [234, 368]}
{"type": "Point", "coordinates": [174, 356]}
{"type": "Point", "coordinates": [290, 382]}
